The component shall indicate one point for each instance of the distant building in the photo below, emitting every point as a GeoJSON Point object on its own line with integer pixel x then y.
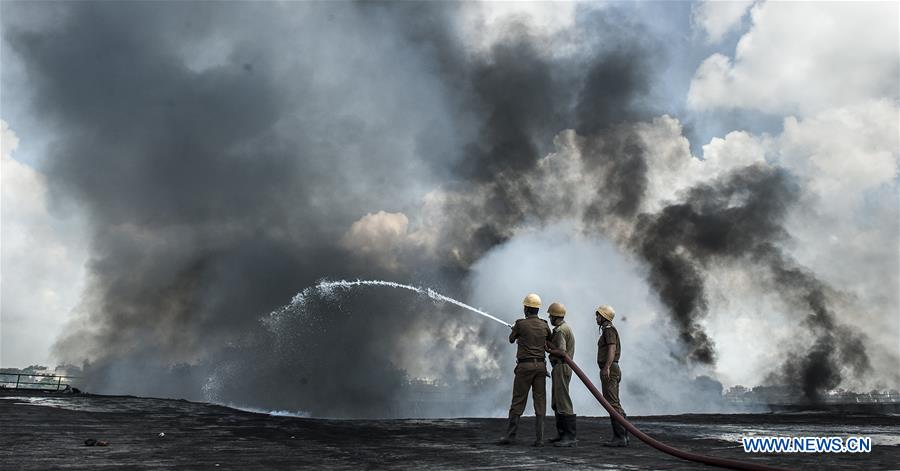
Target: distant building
{"type": "Point", "coordinates": [788, 398]}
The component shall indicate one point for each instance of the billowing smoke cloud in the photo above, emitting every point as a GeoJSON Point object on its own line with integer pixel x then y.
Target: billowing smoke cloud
{"type": "Point", "coordinates": [740, 220]}
{"type": "Point", "coordinates": [837, 349]}
{"type": "Point", "coordinates": [226, 163]}
{"type": "Point", "coordinates": [733, 218]}
{"type": "Point", "coordinates": [220, 176]}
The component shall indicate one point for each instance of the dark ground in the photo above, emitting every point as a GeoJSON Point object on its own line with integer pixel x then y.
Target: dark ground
{"type": "Point", "coordinates": [47, 432]}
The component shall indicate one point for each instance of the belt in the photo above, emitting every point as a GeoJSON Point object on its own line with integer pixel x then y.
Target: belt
{"type": "Point", "coordinates": [530, 360]}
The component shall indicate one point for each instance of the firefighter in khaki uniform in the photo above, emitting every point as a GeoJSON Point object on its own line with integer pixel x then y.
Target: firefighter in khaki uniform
{"type": "Point", "coordinates": [530, 333]}
{"type": "Point", "coordinates": [609, 349]}
{"type": "Point", "coordinates": [562, 341]}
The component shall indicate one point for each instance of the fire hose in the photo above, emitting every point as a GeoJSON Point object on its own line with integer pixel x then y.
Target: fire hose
{"type": "Point", "coordinates": [686, 455]}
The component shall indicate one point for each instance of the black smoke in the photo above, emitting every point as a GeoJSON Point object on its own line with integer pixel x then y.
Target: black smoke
{"type": "Point", "coordinates": [522, 94]}
{"type": "Point", "coordinates": [837, 350]}
{"type": "Point", "coordinates": [739, 220]}
{"type": "Point", "coordinates": [722, 221]}
{"type": "Point", "coordinates": [218, 184]}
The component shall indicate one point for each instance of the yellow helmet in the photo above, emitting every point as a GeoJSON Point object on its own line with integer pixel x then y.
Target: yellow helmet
{"type": "Point", "coordinates": [532, 300]}
{"type": "Point", "coordinates": [557, 310]}
{"type": "Point", "coordinates": [607, 312]}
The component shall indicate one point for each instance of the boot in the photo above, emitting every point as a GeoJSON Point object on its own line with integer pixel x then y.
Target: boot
{"type": "Point", "coordinates": [569, 439]}
{"type": "Point", "coordinates": [538, 430]}
{"type": "Point", "coordinates": [620, 435]}
{"type": "Point", "coordinates": [560, 431]}
{"type": "Point", "coordinates": [512, 426]}
{"type": "Point", "coordinates": [573, 429]}
{"type": "Point", "coordinates": [623, 432]}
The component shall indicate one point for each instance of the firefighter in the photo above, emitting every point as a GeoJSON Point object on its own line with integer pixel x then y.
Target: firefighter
{"type": "Point", "coordinates": [609, 350]}
{"type": "Point", "coordinates": [531, 334]}
{"type": "Point", "coordinates": [562, 340]}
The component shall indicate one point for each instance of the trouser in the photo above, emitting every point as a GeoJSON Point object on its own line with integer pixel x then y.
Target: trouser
{"type": "Point", "coordinates": [560, 400]}
{"type": "Point", "coordinates": [529, 375]}
{"type": "Point", "coordinates": [611, 387]}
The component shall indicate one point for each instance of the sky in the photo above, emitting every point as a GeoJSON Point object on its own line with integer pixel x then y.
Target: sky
{"type": "Point", "coordinates": [725, 174]}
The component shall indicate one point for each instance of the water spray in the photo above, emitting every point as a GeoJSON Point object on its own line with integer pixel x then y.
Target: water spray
{"type": "Point", "coordinates": [326, 288]}
{"type": "Point", "coordinates": [343, 284]}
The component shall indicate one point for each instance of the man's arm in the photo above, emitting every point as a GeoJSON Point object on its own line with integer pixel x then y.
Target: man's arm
{"type": "Point", "coordinates": [556, 346]}
{"type": "Point", "coordinates": [560, 340]}
{"type": "Point", "coordinates": [610, 355]}
{"type": "Point", "coordinates": [514, 334]}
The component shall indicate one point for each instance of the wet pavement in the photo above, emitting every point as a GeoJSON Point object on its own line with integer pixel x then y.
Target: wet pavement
{"type": "Point", "coordinates": [43, 432]}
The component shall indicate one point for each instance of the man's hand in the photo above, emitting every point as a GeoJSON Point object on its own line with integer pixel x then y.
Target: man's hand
{"type": "Point", "coordinates": [553, 350]}
{"type": "Point", "coordinates": [605, 372]}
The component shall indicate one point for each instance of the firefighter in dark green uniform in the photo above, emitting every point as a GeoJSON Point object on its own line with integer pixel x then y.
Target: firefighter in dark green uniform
{"type": "Point", "coordinates": [609, 350]}
{"type": "Point", "coordinates": [561, 341]}
{"type": "Point", "coordinates": [530, 333]}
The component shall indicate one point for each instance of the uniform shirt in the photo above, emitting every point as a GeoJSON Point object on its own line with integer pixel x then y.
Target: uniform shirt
{"type": "Point", "coordinates": [530, 333]}
{"type": "Point", "coordinates": [608, 336]}
{"type": "Point", "coordinates": [563, 339]}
